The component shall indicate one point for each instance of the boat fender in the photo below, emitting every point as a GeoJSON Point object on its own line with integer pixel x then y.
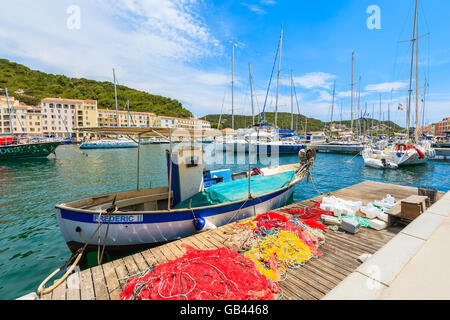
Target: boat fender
{"type": "Point", "coordinates": [256, 172]}
{"type": "Point", "coordinates": [201, 224]}
{"type": "Point", "coordinates": [421, 154]}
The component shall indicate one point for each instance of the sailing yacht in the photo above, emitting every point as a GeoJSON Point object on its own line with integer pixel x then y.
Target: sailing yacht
{"type": "Point", "coordinates": [405, 153]}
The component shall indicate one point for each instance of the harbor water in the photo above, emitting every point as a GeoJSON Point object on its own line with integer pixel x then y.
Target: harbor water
{"type": "Point", "coordinates": [31, 244]}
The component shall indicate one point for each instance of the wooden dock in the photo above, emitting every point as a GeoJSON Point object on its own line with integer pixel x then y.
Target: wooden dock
{"type": "Point", "coordinates": [310, 282]}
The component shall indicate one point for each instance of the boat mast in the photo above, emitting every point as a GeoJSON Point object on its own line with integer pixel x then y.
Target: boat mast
{"type": "Point", "coordinates": [232, 86]}
{"type": "Point", "coordinates": [359, 101]}
{"type": "Point", "coordinates": [379, 121]}
{"type": "Point", "coordinates": [278, 77]}
{"type": "Point", "coordinates": [416, 132]}
{"type": "Point", "coordinates": [351, 98]}
{"type": "Point", "coordinates": [423, 107]}
{"type": "Point", "coordinates": [332, 106]}
{"type": "Point", "coordinates": [115, 97]}
{"type": "Point", "coordinates": [389, 121]}
{"type": "Point", "coordinates": [292, 101]}
{"type": "Point", "coordinates": [251, 92]}
{"type": "Point", "coordinates": [9, 111]}
{"type": "Point", "coordinates": [411, 71]}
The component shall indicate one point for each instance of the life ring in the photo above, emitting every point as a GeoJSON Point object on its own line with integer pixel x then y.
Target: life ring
{"type": "Point", "coordinates": [401, 147]}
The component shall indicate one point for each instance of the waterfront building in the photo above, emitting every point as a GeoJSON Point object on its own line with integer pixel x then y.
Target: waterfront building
{"type": "Point", "coordinates": [107, 118]}
{"type": "Point", "coordinates": [184, 123]}
{"type": "Point", "coordinates": [442, 127]}
{"type": "Point", "coordinates": [60, 117]}
{"type": "Point", "coordinates": [24, 120]}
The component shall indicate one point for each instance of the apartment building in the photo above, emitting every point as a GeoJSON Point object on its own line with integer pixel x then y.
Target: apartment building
{"type": "Point", "coordinates": [19, 119]}
{"type": "Point", "coordinates": [184, 123]}
{"type": "Point", "coordinates": [60, 117]}
{"type": "Point", "coordinates": [108, 118]}
{"type": "Point", "coordinates": [442, 127]}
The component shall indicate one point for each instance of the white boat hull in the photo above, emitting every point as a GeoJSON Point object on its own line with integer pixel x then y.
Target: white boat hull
{"type": "Point", "coordinates": [131, 230]}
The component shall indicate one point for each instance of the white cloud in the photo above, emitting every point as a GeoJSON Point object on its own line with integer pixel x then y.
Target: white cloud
{"type": "Point", "coordinates": [387, 86]}
{"type": "Point", "coordinates": [312, 80]}
{"type": "Point", "coordinates": [268, 2]}
{"type": "Point", "coordinates": [254, 8]}
{"type": "Point", "coordinates": [154, 45]}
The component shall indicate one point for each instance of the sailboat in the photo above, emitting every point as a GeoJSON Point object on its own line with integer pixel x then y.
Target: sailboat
{"type": "Point", "coordinates": [405, 153]}
{"type": "Point", "coordinates": [264, 138]}
{"type": "Point", "coordinates": [120, 142]}
{"type": "Point", "coordinates": [11, 148]}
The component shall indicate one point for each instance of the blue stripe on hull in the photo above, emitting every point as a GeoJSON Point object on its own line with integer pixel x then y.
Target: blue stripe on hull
{"type": "Point", "coordinates": [173, 216]}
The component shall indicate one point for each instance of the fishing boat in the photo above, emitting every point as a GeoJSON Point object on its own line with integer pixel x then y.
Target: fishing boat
{"type": "Point", "coordinates": [14, 149]}
{"type": "Point", "coordinates": [11, 148]}
{"type": "Point", "coordinates": [194, 201]}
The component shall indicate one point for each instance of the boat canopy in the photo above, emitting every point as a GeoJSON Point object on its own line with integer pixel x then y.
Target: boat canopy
{"type": "Point", "coordinates": [237, 190]}
{"type": "Point", "coordinates": [285, 131]}
{"type": "Point", "coordinates": [155, 132]}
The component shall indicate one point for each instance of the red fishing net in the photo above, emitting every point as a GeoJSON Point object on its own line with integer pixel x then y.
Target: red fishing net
{"type": "Point", "coordinates": [220, 274]}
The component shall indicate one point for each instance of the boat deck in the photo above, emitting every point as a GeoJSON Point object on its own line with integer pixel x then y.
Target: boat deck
{"type": "Point", "coordinates": [310, 282]}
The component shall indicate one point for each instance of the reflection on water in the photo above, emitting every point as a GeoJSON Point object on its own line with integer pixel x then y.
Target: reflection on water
{"type": "Point", "coordinates": [31, 245]}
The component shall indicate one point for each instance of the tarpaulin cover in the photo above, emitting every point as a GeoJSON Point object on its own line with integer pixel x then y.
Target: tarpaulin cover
{"type": "Point", "coordinates": [238, 190]}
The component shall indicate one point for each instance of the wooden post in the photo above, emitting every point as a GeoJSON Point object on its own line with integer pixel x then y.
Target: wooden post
{"type": "Point", "coordinates": [170, 168]}
{"type": "Point", "coordinates": [138, 161]}
{"type": "Point", "coordinates": [249, 165]}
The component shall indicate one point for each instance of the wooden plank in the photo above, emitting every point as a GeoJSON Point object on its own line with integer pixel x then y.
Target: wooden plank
{"type": "Point", "coordinates": [210, 242]}
{"type": "Point", "coordinates": [307, 286]}
{"type": "Point", "coordinates": [140, 261]}
{"type": "Point", "coordinates": [298, 292]}
{"type": "Point", "coordinates": [189, 242]}
{"type": "Point", "coordinates": [157, 253]}
{"type": "Point", "coordinates": [98, 278]}
{"type": "Point", "coordinates": [87, 286]}
{"type": "Point", "coordinates": [73, 286]}
{"type": "Point", "coordinates": [149, 257]}
{"type": "Point", "coordinates": [177, 252]}
{"type": "Point", "coordinates": [121, 272]}
{"type": "Point", "coordinates": [112, 281]}
{"type": "Point", "coordinates": [315, 270]}
{"type": "Point", "coordinates": [167, 253]}
{"type": "Point", "coordinates": [132, 268]}
{"type": "Point", "coordinates": [59, 293]}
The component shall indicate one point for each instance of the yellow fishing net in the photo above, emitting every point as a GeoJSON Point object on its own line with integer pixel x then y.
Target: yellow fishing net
{"type": "Point", "coordinates": [278, 251]}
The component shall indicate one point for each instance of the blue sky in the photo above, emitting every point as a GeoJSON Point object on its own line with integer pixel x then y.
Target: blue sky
{"type": "Point", "coordinates": [182, 49]}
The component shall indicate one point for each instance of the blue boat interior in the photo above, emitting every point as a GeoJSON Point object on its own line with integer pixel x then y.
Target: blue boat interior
{"type": "Point", "coordinates": [227, 189]}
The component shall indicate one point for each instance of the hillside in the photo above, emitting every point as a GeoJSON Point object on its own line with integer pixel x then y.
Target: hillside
{"type": "Point", "coordinates": [394, 127]}
{"type": "Point", "coordinates": [31, 86]}
{"type": "Point", "coordinates": [284, 122]}
{"type": "Point", "coordinates": [283, 119]}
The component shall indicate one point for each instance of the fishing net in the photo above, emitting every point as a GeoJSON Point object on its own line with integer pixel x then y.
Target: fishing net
{"type": "Point", "coordinates": [276, 242]}
{"type": "Point", "coordinates": [220, 274]}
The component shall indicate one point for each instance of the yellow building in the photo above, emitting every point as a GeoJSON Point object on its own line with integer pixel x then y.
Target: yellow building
{"type": "Point", "coordinates": [60, 117]}
{"type": "Point", "coordinates": [24, 120]}
{"type": "Point", "coordinates": [107, 118]}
